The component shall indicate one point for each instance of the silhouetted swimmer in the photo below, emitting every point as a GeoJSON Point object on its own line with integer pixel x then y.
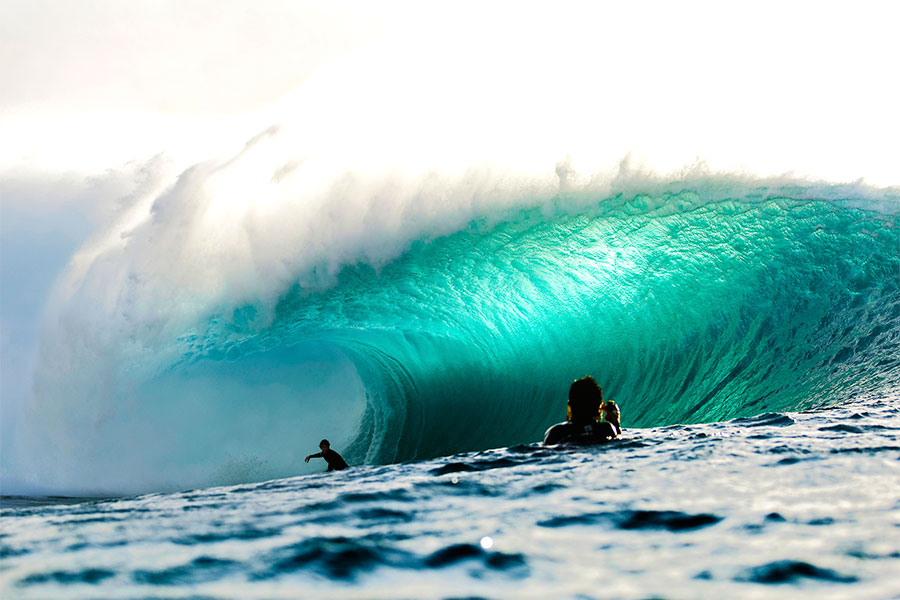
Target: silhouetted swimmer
{"type": "Point", "coordinates": [590, 419]}
{"type": "Point", "coordinates": [334, 460]}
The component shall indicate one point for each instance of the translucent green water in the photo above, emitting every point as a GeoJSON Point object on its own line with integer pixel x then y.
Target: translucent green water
{"type": "Point", "coordinates": [685, 310]}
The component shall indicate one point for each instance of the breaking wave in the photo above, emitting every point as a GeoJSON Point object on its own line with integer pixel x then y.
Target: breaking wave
{"type": "Point", "coordinates": [225, 327]}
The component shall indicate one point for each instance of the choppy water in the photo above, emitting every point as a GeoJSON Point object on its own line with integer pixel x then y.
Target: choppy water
{"type": "Point", "coordinates": [782, 505]}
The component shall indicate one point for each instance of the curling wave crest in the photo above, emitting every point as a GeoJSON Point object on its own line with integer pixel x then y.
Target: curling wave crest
{"type": "Point", "coordinates": [218, 336]}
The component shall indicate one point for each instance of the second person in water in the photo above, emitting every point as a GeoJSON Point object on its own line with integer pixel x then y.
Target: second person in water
{"type": "Point", "coordinates": [590, 419]}
{"type": "Point", "coordinates": [335, 461]}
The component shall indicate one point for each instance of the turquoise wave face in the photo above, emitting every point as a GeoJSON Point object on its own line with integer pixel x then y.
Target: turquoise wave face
{"type": "Point", "coordinates": [685, 310]}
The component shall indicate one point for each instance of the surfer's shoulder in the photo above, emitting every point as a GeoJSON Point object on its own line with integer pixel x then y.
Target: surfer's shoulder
{"type": "Point", "coordinates": [558, 433]}
{"type": "Point", "coordinates": [569, 432]}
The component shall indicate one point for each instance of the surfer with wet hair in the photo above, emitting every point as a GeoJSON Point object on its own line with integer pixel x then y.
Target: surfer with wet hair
{"type": "Point", "coordinates": [589, 420]}
{"type": "Point", "coordinates": [334, 460]}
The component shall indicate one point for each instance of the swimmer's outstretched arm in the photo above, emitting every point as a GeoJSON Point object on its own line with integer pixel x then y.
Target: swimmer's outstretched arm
{"type": "Point", "coordinates": [316, 455]}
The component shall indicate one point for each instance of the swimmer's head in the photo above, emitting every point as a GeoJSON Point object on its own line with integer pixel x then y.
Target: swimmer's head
{"type": "Point", "coordinates": [585, 399]}
{"type": "Point", "coordinates": [609, 411]}
{"type": "Point", "coordinates": [324, 445]}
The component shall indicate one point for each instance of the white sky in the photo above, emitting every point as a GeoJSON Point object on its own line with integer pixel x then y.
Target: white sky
{"type": "Point", "coordinates": [770, 87]}
{"type": "Point", "coordinates": [167, 55]}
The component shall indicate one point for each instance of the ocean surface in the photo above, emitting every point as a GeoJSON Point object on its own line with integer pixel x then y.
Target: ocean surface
{"type": "Point", "coordinates": [780, 505]}
{"type": "Point", "coordinates": [749, 330]}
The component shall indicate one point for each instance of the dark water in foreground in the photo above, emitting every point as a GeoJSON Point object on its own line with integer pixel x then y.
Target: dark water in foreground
{"type": "Point", "coordinates": [792, 505]}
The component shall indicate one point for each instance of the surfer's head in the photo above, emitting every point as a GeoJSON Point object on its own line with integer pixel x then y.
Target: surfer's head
{"type": "Point", "coordinates": [585, 399]}
{"type": "Point", "coordinates": [324, 445]}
